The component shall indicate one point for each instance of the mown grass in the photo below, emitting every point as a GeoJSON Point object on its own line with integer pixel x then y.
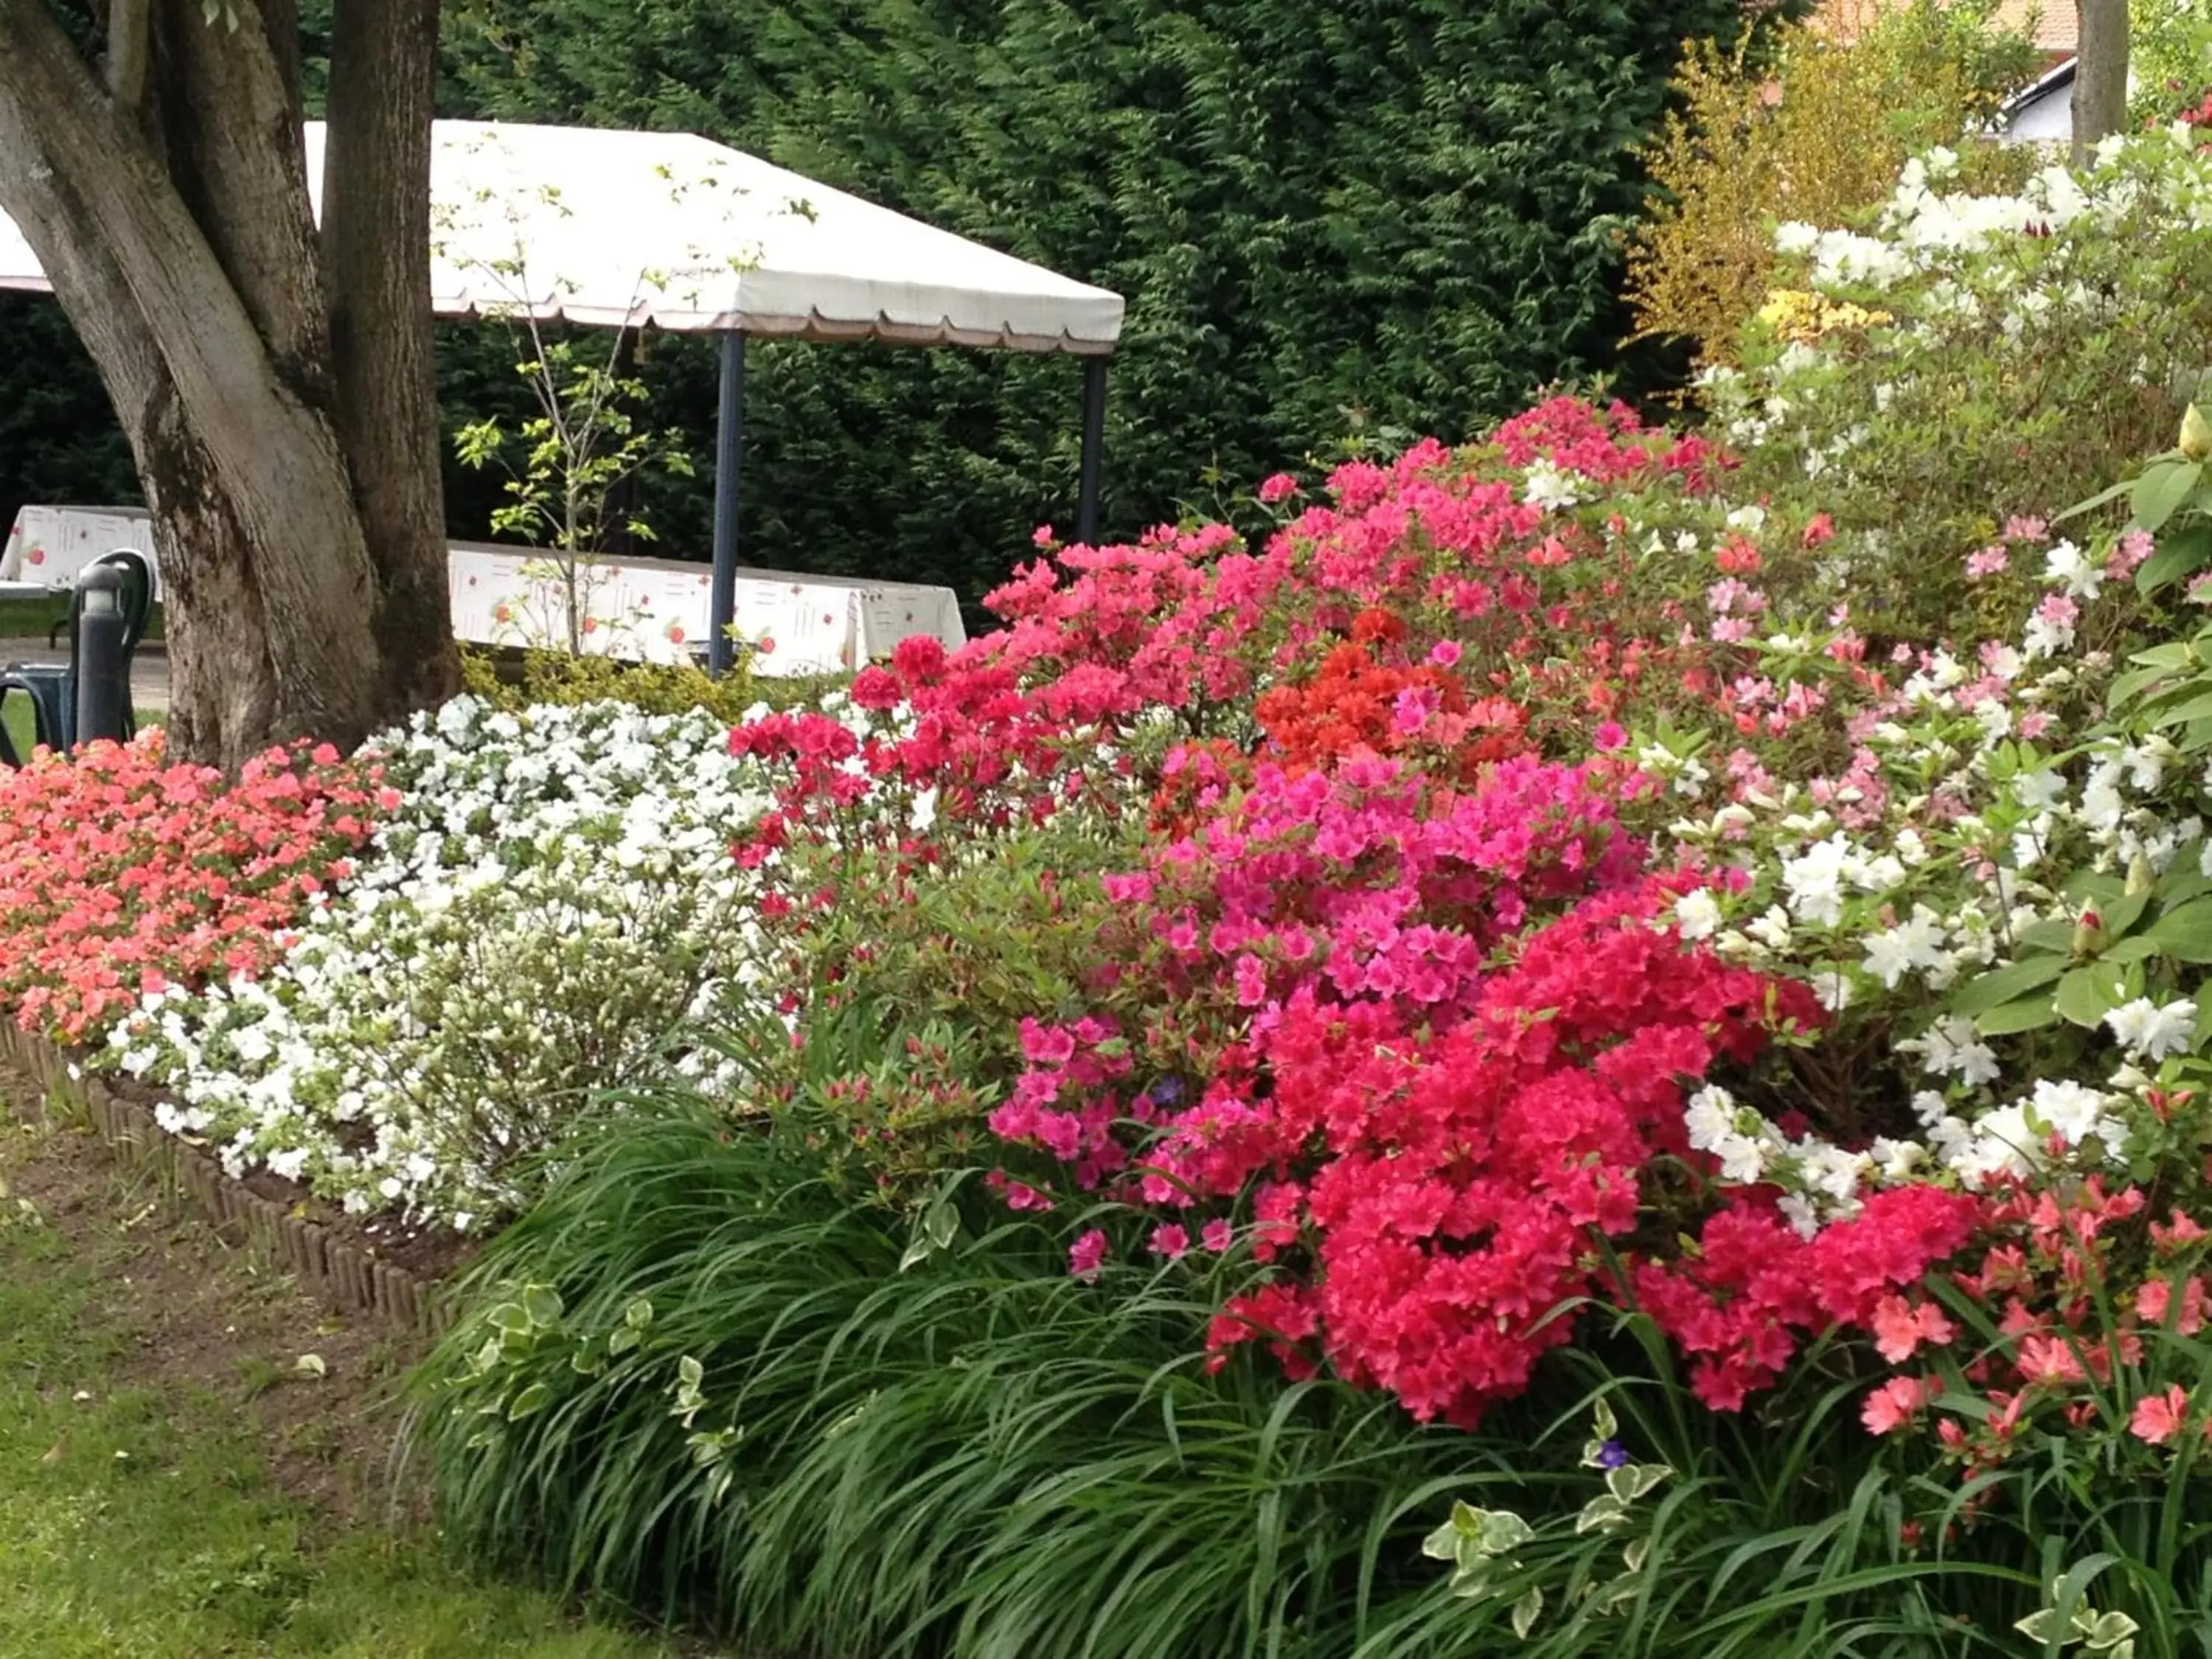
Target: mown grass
{"type": "Point", "coordinates": [139, 1518]}
{"type": "Point", "coordinates": [29, 619]}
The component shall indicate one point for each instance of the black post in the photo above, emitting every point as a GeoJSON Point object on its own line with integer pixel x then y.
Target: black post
{"type": "Point", "coordinates": [99, 658]}
{"type": "Point", "coordinates": [729, 451]}
{"type": "Point", "coordinates": [1094, 449]}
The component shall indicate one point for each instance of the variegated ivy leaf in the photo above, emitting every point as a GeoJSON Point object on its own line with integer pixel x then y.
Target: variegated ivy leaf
{"type": "Point", "coordinates": [1502, 1530]}
{"type": "Point", "coordinates": [1527, 1611]}
{"type": "Point", "coordinates": [1472, 1583]}
{"type": "Point", "coordinates": [2106, 1632]}
{"type": "Point", "coordinates": [2037, 1625]}
{"type": "Point", "coordinates": [1633, 1557]}
{"type": "Point", "coordinates": [1602, 1513]}
{"type": "Point", "coordinates": [1443, 1544]}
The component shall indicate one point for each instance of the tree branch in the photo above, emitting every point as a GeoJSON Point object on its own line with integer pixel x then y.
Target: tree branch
{"type": "Point", "coordinates": [130, 50]}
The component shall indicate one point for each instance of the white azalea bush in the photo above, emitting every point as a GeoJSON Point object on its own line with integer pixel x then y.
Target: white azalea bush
{"type": "Point", "coordinates": [1966, 356]}
{"type": "Point", "coordinates": [550, 903]}
{"type": "Point", "coordinates": [2000, 898]}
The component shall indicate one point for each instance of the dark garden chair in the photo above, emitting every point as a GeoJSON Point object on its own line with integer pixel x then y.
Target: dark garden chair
{"type": "Point", "coordinates": [51, 687]}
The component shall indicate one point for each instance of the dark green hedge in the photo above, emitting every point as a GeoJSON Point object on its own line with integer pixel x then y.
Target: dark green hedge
{"type": "Point", "coordinates": [1329, 216]}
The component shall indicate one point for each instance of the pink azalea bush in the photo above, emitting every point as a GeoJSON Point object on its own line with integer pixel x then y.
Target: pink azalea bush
{"type": "Point", "coordinates": [121, 873]}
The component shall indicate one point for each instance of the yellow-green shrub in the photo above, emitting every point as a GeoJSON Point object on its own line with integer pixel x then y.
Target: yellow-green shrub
{"type": "Point", "coordinates": [1814, 131]}
{"type": "Point", "coordinates": [511, 679]}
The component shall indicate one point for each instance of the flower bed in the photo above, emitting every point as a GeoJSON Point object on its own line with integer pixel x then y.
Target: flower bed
{"type": "Point", "coordinates": [1539, 938]}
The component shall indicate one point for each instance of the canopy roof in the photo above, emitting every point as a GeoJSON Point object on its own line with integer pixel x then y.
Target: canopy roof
{"type": "Point", "coordinates": [604, 228]}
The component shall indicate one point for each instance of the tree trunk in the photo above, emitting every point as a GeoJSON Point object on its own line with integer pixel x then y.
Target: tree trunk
{"type": "Point", "coordinates": [172, 219]}
{"type": "Point", "coordinates": [2101, 73]}
{"type": "Point", "coordinates": [376, 249]}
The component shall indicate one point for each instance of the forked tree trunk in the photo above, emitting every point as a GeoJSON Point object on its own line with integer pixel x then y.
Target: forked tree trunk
{"type": "Point", "coordinates": [294, 486]}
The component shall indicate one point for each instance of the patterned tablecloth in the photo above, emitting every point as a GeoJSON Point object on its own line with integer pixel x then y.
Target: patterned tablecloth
{"type": "Point", "coordinates": [652, 610]}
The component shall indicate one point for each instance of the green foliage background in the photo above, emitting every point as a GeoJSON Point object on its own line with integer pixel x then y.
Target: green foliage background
{"type": "Point", "coordinates": [1328, 217]}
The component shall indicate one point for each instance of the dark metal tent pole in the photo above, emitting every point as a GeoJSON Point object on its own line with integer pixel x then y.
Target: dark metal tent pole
{"type": "Point", "coordinates": [729, 451]}
{"type": "Point", "coordinates": [1094, 449]}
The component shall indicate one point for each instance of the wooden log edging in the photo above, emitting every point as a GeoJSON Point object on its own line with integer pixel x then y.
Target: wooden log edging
{"type": "Point", "coordinates": [345, 1274]}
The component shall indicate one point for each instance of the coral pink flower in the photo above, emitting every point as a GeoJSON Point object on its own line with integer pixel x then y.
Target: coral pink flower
{"type": "Point", "coordinates": [1895, 1404]}
{"type": "Point", "coordinates": [1900, 1327]}
{"type": "Point", "coordinates": [2159, 1417]}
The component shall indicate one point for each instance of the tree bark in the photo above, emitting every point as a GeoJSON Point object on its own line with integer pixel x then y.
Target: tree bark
{"type": "Point", "coordinates": [376, 249]}
{"type": "Point", "coordinates": [177, 236]}
{"type": "Point", "coordinates": [2101, 73]}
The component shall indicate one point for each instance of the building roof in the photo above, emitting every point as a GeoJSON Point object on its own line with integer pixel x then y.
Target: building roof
{"type": "Point", "coordinates": [2054, 25]}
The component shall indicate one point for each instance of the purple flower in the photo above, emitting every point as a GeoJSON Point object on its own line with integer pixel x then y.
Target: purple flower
{"type": "Point", "coordinates": [1612, 1455]}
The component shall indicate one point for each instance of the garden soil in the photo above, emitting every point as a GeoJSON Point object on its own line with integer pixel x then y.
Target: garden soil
{"type": "Point", "coordinates": [200, 1312]}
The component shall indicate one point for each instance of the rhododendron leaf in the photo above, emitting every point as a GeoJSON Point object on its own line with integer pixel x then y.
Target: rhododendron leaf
{"type": "Point", "coordinates": [2180, 553]}
{"type": "Point", "coordinates": [2196, 705]}
{"type": "Point", "coordinates": [2095, 502]}
{"type": "Point", "coordinates": [2170, 653]}
{"type": "Point", "coordinates": [2184, 933]}
{"type": "Point", "coordinates": [2161, 489]}
{"type": "Point", "coordinates": [2123, 912]}
{"type": "Point", "coordinates": [2184, 878]}
{"type": "Point", "coordinates": [2002, 985]}
{"type": "Point", "coordinates": [2051, 933]}
{"type": "Point", "coordinates": [2087, 995]}
{"type": "Point", "coordinates": [2029, 1014]}
{"type": "Point", "coordinates": [2132, 950]}
{"type": "Point", "coordinates": [1528, 1610]}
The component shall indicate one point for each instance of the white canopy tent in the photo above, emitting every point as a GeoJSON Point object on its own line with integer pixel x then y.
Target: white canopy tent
{"type": "Point", "coordinates": [610, 229]}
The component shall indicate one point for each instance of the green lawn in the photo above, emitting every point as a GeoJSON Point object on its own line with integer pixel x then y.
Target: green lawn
{"type": "Point", "coordinates": [139, 1515]}
{"type": "Point", "coordinates": [15, 717]}
{"type": "Point", "coordinates": [29, 619]}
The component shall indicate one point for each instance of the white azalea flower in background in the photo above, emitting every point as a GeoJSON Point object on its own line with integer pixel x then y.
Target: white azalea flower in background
{"type": "Point", "coordinates": [1953, 1046]}
{"type": "Point", "coordinates": [2067, 564]}
{"type": "Point", "coordinates": [1698, 914]}
{"type": "Point", "coordinates": [2075, 1112]}
{"type": "Point", "coordinates": [2150, 1031]}
{"type": "Point", "coordinates": [1914, 945]}
{"type": "Point", "coordinates": [1550, 487]}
